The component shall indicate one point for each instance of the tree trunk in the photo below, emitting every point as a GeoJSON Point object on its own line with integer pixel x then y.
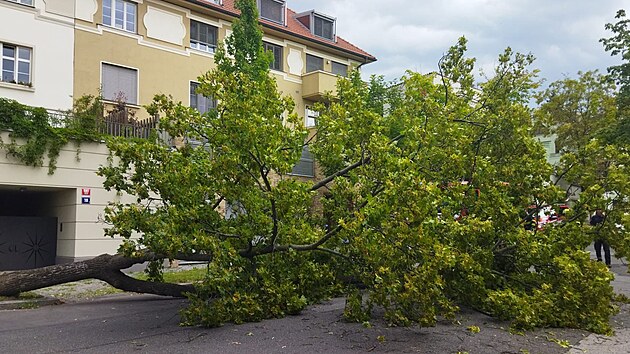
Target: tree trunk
{"type": "Point", "coordinates": [105, 267]}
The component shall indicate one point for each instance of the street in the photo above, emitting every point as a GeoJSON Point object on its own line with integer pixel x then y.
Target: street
{"type": "Point", "coordinates": [124, 323]}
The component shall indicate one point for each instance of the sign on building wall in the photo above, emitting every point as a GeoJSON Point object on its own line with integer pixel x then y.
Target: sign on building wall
{"type": "Point", "coordinates": [85, 195]}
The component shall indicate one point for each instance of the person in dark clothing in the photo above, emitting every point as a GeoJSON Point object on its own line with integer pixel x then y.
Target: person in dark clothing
{"type": "Point", "coordinates": [596, 219]}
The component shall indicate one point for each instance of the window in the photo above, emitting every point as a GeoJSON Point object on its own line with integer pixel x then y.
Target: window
{"type": "Point", "coordinates": [339, 69]}
{"type": "Point", "coordinates": [276, 64]}
{"type": "Point", "coordinates": [323, 27]}
{"type": "Point", "coordinates": [306, 165]}
{"type": "Point", "coordinates": [119, 83]}
{"type": "Point", "coordinates": [234, 210]}
{"type": "Point", "coordinates": [310, 117]}
{"type": "Point", "coordinates": [23, 2]}
{"type": "Point", "coordinates": [16, 64]}
{"type": "Point", "coordinates": [272, 10]}
{"type": "Point", "coordinates": [203, 36]}
{"type": "Point", "coordinates": [319, 24]}
{"type": "Point", "coordinates": [200, 102]}
{"type": "Point", "coordinates": [314, 63]}
{"type": "Point", "coordinates": [120, 14]}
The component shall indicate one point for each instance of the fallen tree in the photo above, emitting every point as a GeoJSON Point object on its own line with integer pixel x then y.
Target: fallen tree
{"type": "Point", "coordinates": [105, 267]}
{"type": "Point", "coordinates": [423, 198]}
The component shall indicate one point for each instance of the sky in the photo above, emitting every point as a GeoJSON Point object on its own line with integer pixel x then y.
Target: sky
{"type": "Point", "coordinates": [563, 35]}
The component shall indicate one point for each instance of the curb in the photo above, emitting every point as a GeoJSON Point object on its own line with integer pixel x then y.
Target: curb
{"type": "Point", "coordinates": [28, 303]}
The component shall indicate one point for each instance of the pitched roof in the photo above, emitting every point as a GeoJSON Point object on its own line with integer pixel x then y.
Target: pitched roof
{"type": "Point", "coordinates": [292, 27]}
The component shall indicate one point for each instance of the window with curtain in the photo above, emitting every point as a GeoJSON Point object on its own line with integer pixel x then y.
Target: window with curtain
{"type": "Point", "coordinates": [119, 83]}
{"type": "Point", "coordinates": [306, 166]}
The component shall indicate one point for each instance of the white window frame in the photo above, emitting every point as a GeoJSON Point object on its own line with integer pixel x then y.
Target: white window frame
{"type": "Point", "coordinates": [324, 19]}
{"type": "Point", "coordinates": [15, 70]}
{"type": "Point", "coordinates": [283, 20]}
{"type": "Point", "coordinates": [310, 117]}
{"type": "Point", "coordinates": [127, 5]}
{"type": "Point", "coordinates": [23, 2]}
{"type": "Point", "coordinates": [203, 46]}
{"type": "Point", "coordinates": [136, 102]}
{"type": "Point", "coordinates": [212, 100]}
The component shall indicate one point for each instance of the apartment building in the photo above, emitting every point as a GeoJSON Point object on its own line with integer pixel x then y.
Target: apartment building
{"type": "Point", "coordinates": [135, 49]}
{"type": "Point", "coordinates": [37, 47]}
{"type": "Point", "coordinates": [128, 51]}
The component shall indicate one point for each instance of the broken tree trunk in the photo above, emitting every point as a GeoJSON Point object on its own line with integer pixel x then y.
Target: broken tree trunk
{"type": "Point", "coordinates": [105, 267]}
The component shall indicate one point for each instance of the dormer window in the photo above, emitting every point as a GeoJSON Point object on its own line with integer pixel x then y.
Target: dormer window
{"type": "Point", "coordinates": [319, 24]}
{"type": "Point", "coordinates": [272, 10]}
{"type": "Point", "coordinates": [324, 27]}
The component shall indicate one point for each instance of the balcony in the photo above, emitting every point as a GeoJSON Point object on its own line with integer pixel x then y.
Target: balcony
{"type": "Point", "coordinates": [117, 123]}
{"type": "Point", "coordinates": [316, 83]}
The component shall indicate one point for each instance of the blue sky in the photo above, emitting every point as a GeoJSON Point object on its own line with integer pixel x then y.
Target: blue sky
{"type": "Point", "coordinates": [413, 34]}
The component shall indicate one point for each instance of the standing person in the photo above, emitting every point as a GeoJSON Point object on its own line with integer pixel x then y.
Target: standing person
{"type": "Point", "coordinates": [596, 219]}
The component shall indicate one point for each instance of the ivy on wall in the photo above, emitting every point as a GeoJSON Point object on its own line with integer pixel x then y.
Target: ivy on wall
{"type": "Point", "coordinates": [35, 133]}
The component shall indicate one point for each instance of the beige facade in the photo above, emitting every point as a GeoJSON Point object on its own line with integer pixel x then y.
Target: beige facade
{"type": "Point", "coordinates": [160, 53]}
{"type": "Point", "coordinates": [148, 48]}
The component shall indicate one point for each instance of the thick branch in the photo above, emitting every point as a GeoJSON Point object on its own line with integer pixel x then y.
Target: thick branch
{"type": "Point", "coordinates": [100, 267]}
{"type": "Point", "coordinates": [119, 280]}
{"type": "Point", "coordinates": [274, 211]}
{"type": "Point", "coordinates": [316, 246]}
{"type": "Point", "coordinates": [342, 172]}
{"type": "Point", "coordinates": [361, 162]}
{"type": "Point", "coordinates": [477, 124]}
{"type": "Point", "coordinates": [251, 253]}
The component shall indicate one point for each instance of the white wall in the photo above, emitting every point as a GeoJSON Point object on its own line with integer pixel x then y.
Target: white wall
{"type": "Point", "coordinates": [549, 143]}
{"type": "Point", "coordinates": [51, 37]}
{"type": "Point", "coordinates": [82, 233]}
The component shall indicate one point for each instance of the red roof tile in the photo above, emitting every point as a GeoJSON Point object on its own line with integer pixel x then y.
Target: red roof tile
{"type": "Point", "coordinates": [293, 27]}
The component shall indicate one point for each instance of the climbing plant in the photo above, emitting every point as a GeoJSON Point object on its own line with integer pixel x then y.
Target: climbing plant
{"type": "Point", "coordinates": [35, 133]}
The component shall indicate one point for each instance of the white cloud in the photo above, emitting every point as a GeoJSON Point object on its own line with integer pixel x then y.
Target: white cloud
{"type": "Point", "coordinates": [412, 34]}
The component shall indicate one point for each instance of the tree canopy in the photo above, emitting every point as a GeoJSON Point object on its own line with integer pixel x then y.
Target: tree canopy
{"type": "Point", "coordinates": [619, 45]}
{"type": "Point", "coordinates": [420, 209]}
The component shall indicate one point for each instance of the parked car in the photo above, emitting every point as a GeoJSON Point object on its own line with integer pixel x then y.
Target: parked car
{"type": "Point", "coordinates": [545, 215]}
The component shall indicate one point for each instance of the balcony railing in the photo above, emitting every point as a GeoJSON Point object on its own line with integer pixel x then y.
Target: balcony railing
{"type": "Point", "coordinates": [118, 123]}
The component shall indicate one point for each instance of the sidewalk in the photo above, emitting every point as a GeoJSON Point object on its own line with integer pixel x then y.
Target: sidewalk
{"type": "Point", "coordinates": [620, 342]}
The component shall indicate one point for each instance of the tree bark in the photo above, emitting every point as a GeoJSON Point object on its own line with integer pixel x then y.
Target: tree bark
{"type": "Point", "coordinates": [105, 267]}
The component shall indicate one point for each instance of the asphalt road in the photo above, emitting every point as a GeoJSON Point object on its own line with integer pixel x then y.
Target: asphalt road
{"type": "Point", "coordinates": [148, 324]}
{"type": "Point", "coordinates": [127, 323]}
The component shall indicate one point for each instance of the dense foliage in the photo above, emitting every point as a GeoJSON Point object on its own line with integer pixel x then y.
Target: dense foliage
{"type": "Point", "coordinates": [619, 45]}
{"type": "Point", "coordinates": [34, 132]}
{"type": "Point", "coordinates": [423, 204]}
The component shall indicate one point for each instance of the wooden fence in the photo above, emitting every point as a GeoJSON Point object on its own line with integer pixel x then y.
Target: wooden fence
{"type": "Point", "coordinates": [118, 123]}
